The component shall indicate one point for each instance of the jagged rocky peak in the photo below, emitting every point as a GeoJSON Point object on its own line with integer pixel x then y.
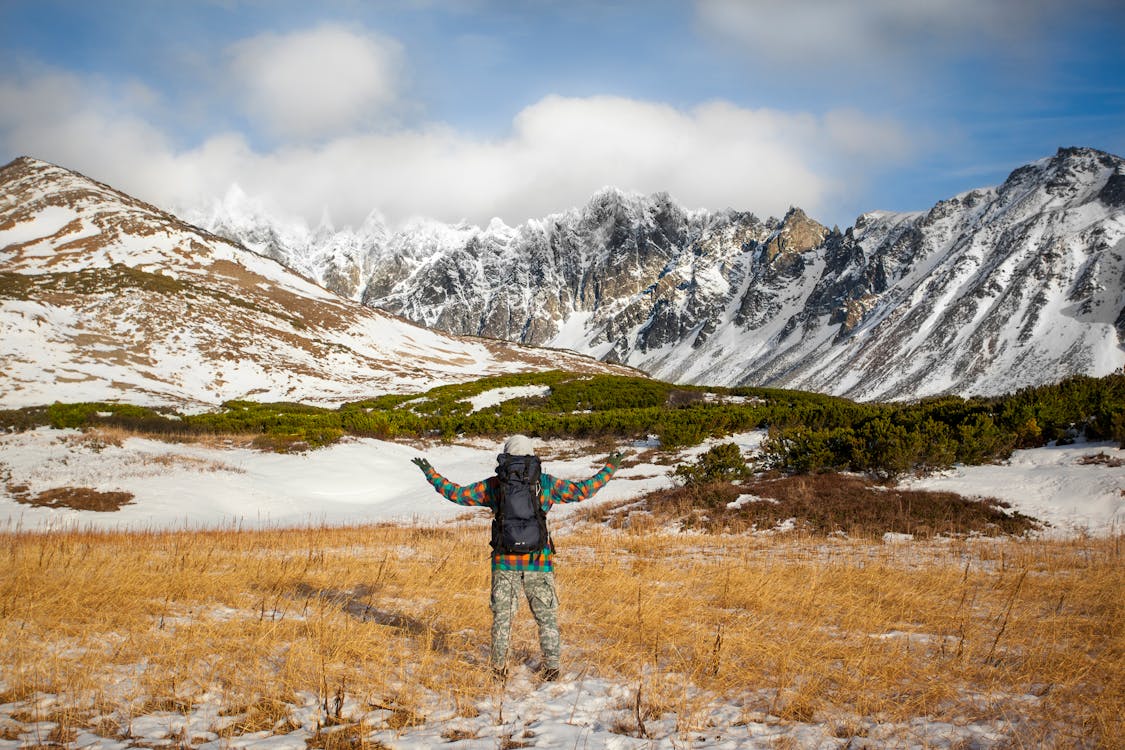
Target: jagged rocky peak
{"type": "Point", "coordinates": [1071, 172]}
{"type": "Point", "coordinates": [339, 259]}
{"type": "Point", "coordinates": [624, 221]}
{"type": "Point", "coordinates": [1104, 173]}
{"type": "Point", "coordinates": [618, 205]}
{"type": "Point", "coordinates": [797, 234]}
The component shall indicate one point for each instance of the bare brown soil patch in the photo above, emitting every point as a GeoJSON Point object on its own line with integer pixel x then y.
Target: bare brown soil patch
{"type": "Point", "coordinates": [78, 498]}
{"type": "Point", "coordinates": [1102, 459]}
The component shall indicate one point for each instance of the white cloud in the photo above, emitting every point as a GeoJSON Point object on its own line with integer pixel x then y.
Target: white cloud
{"type": "Point", "coordinates": [316, 83]}
{"type": "Point", "coordinates": [878, 36]}
{"type": "Point", "coordinates": [558, 152]}
{"type": "Point", "coordinates": [78, 122]}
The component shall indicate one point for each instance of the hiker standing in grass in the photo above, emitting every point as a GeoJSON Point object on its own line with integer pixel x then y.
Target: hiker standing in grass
{"type": "Point", "coordinates": [520, 495]}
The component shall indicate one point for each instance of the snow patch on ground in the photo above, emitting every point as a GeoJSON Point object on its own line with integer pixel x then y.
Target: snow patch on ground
{"type": "Point", "coordinates": [742, 500]}
{"type": "Point", "coordinates": [579, 711]}
{"type": "Point", "coordinates": [1050, 484]}
{"type": "Point", "coordinates": [45, 223]}
{"type": "Point", "coordinates": [500, 395]}
{"type": "Point", "coordinates": [195, 486]}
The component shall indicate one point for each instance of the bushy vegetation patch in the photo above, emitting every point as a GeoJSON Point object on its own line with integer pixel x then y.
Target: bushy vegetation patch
{"type": "Point", "coordinates": [113, 279]}
{"type": "Point", "coordinates": [19, 420]}
{"type": "Point", "coordinates": [896, 439]}
{"type": "Point", "coordinates": [298, 442]}
{"type": "Point", "coordinates": [722, 463]}
{"type": "Point", "coordinates": [140, 418]}
{"type": "Point", "coordinates": [809, 433]}
{"type": "Point", "coordinates": [821, 504]}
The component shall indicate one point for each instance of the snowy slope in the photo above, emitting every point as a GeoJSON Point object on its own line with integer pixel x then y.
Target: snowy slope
{"type": "Point", "coordinates": [103, 297]}
{"type": "Point", "coordinates": [987, 292]}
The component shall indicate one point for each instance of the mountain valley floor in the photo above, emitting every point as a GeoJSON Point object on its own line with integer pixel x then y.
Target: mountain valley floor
{"type": "Point", "coordinates": [328, 599]}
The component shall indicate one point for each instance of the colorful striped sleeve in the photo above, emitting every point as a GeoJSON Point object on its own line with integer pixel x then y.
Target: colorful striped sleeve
{"type": "Point", "coordinates": [566, 491]}
{"type": "Point", "coordinates": [479, 493]}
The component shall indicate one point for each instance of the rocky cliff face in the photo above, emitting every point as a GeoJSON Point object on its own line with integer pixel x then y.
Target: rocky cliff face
{"type": "Point", "coordinates": [991, 290]}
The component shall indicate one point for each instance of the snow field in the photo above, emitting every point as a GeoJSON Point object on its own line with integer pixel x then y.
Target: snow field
{"type": "Point", "coordinates": [365, 481]}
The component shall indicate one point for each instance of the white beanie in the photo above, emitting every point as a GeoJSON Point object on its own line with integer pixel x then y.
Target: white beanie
{"type": "Point", "coordinates": [519, 445]}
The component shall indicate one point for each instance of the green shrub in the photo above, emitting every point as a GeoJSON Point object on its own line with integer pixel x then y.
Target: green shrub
{"type": "Point", "coordinates": [721, 463]}
{"type": "Point", "coordinates": [19, 420]}
{"type": "Point", "coordinates": [607, 392]}
{"type": "Point", "coordinates": [73, 416]}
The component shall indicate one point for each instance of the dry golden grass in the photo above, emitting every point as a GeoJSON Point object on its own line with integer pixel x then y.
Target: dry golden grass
{"type": "Point", "coordinates": [394, 618]}
{"type": "Point", "coordinates": [106, 435]}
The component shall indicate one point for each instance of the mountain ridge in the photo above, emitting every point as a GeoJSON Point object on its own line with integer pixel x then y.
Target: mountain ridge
{"type": "Point", "coordinates": [104, 298]}
{"type": "Point", "coordinates": [899, 305]}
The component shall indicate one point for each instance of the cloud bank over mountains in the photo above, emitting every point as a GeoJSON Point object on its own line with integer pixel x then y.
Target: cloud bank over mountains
{"type": "Point", "coordinates": [333, 112]}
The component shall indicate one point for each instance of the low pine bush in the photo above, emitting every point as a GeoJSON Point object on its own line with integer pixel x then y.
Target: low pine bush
{"type": "Point", "coordinates": [809, 433]}
{"type": "Point", "coordinates": [722, 463]}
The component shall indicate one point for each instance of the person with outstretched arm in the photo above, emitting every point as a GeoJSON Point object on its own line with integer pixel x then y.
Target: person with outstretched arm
{"type": "Point", "coordinates": [520, 496]}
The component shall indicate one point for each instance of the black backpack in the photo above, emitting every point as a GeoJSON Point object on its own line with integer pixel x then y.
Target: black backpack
{"type": "Point", "coordinates": [520, 524]}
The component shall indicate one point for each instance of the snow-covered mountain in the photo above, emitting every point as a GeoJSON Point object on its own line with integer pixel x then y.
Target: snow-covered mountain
{"type": "Point", "coordinates": [103, 297]}
{"type": "Point", "coordinates": [989, 291]}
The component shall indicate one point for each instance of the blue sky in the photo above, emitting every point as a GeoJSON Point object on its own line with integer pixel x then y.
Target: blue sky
{"type": "Point", "coordinates": [469, 109]}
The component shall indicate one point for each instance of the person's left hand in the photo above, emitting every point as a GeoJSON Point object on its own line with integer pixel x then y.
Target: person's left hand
{"type": "Point", "coordinates": [616, 458]}
{"type": "Point", "coordinates": [421, 463]}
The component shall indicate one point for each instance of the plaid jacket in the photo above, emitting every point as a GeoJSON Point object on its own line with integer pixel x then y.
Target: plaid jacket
{"type": "Point", "coordinates": [486, 492]}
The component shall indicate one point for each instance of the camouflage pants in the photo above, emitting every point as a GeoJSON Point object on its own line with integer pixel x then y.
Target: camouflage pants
{"type": "Point", "coordinates": [539, 588]}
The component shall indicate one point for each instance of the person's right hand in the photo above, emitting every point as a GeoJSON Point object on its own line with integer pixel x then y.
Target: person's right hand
{"type": "Point", "coordinates": [421, 463]}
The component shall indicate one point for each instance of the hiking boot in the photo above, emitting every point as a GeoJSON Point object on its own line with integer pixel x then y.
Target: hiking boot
{"type": "Point", "coordinates": [549, 674]}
